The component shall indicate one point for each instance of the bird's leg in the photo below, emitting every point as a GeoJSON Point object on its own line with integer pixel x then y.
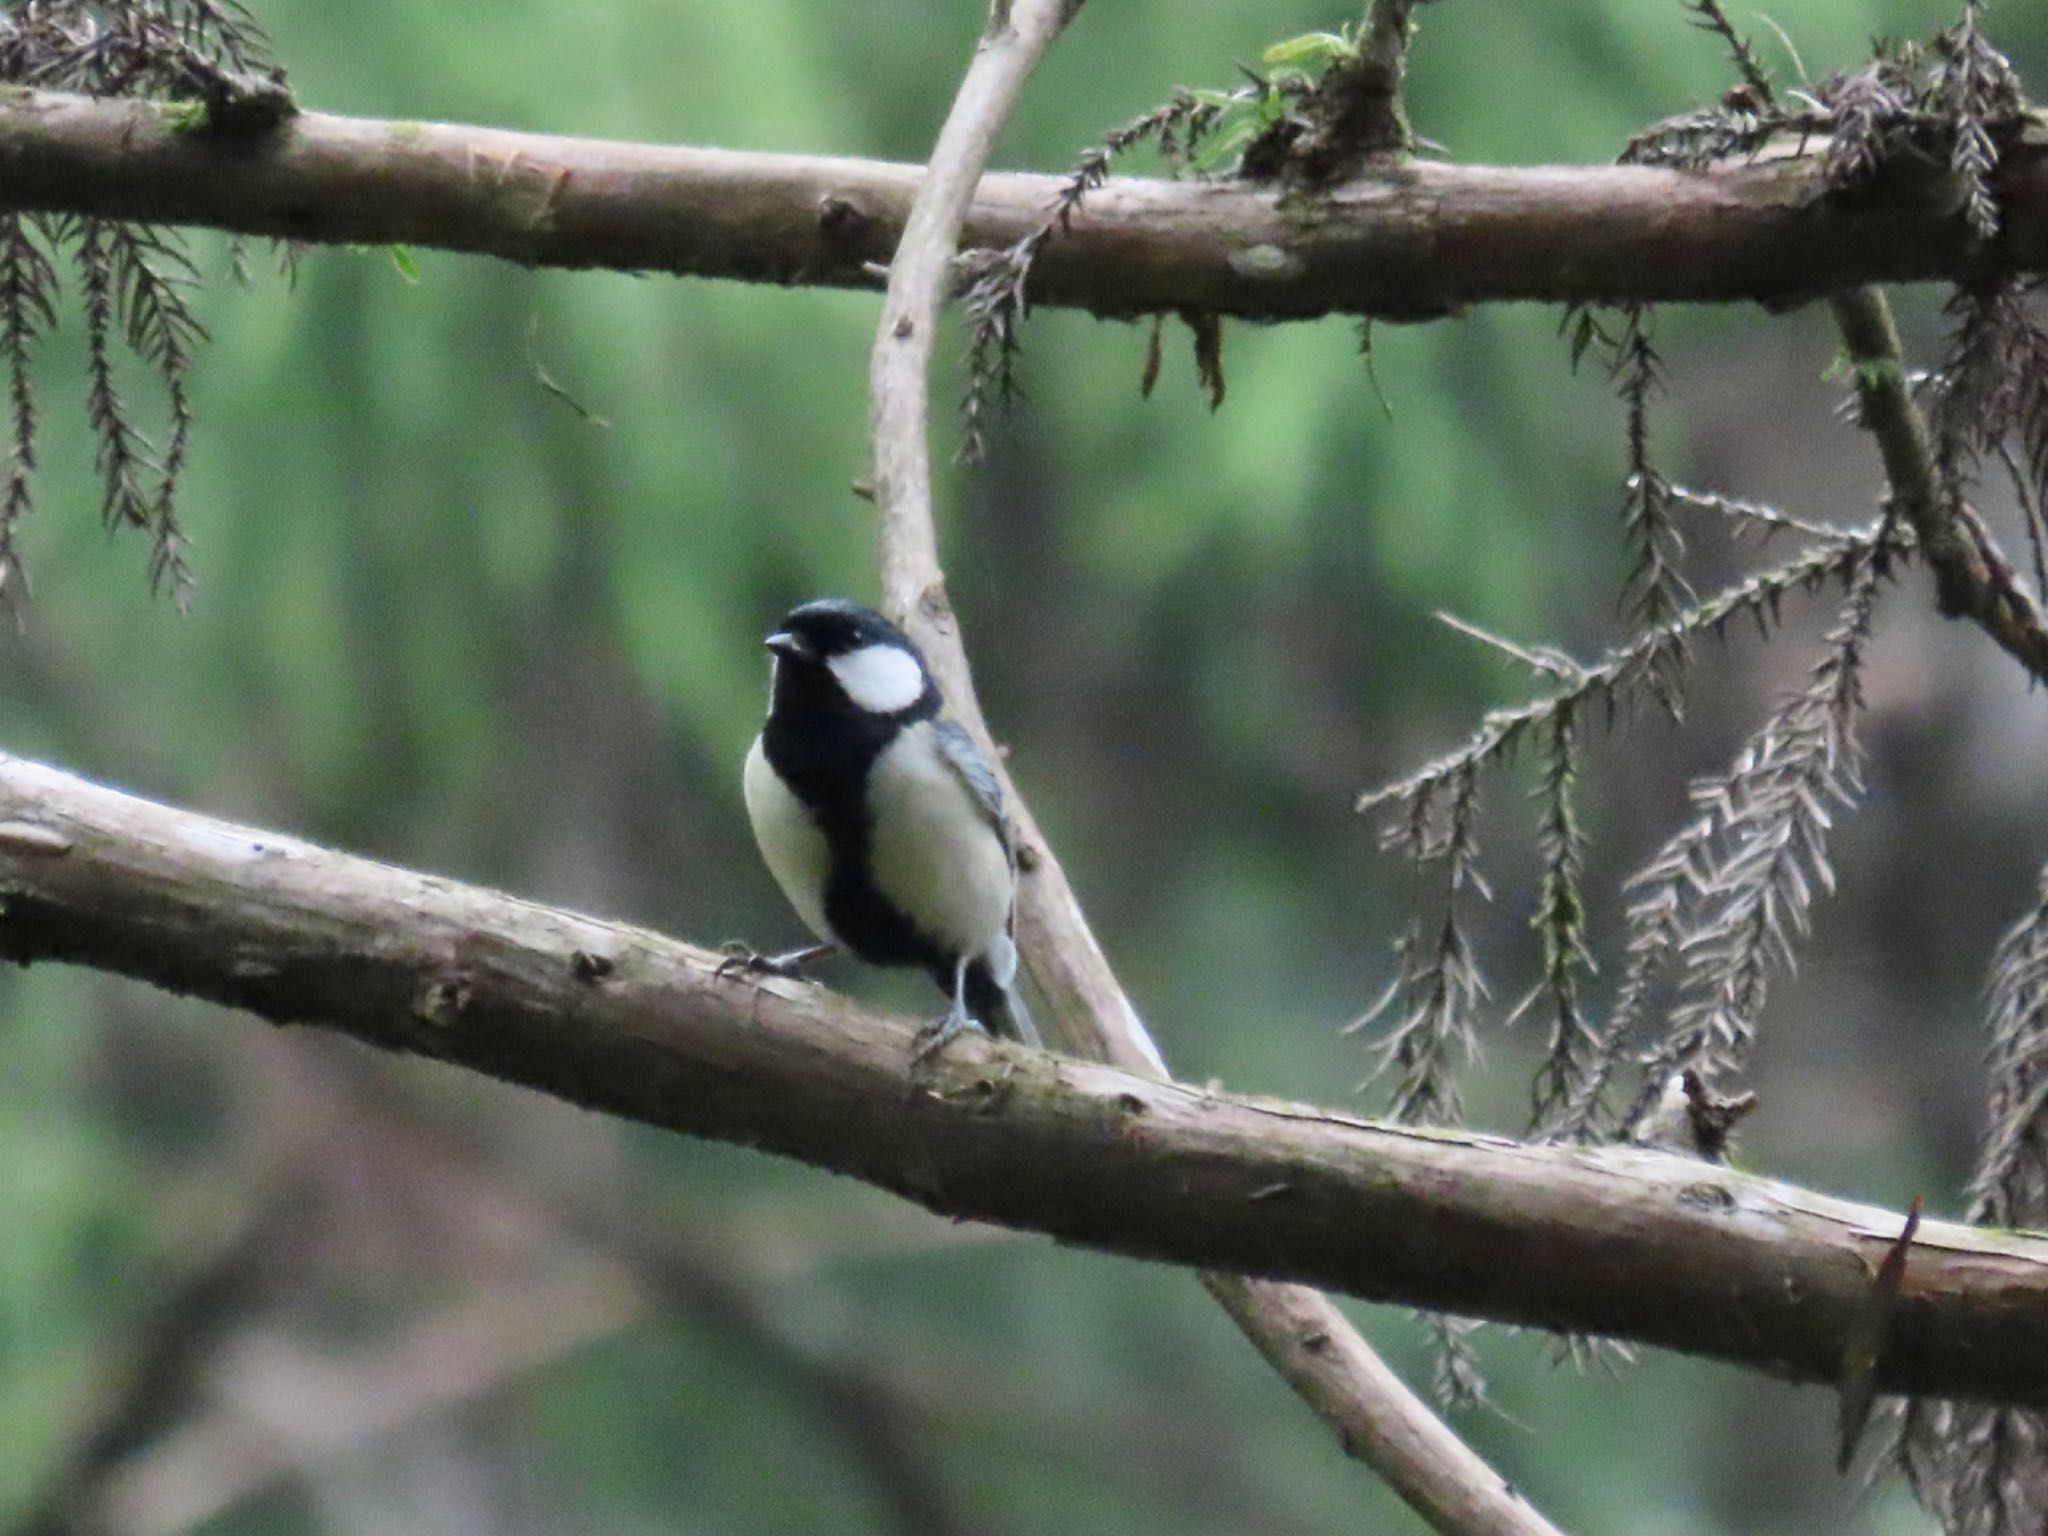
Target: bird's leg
{"type": "Point", "coordinates": [741, 956]}
{"type": "Point", "coordinates": [941, 1032]}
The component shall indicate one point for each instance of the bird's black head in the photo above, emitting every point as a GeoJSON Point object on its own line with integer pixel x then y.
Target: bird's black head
{"type": "Point", "coordinates": [833, 657]}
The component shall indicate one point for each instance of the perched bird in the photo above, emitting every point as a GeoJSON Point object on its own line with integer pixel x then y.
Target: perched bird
{"type": "Point", "coordinates": [881, 821]}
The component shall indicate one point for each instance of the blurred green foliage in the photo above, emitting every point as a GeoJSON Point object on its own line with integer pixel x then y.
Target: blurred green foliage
{"type": "Point", "coordinates": [448, 621]}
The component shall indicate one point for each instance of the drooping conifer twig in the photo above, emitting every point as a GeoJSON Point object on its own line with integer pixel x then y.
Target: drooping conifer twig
{"type": "Point", "coordinates": [1983, 1471]}
{"type": "Point", "coordinates": [1439, 987]}
{"type": "Point", "coordinates": [125, 294]}
{"type": "Point", "coordinates": [162, 330]}
{"type": "Point", "coordinates": [1979, 1471]}
{"type": "Point", "coordinates": [133, 278]}
{"type": "Point", "coordinates": [1989, 396]}
{"type": "Point", "coordinates": [28, 285]}
{"type": "Point", "coordinates": [1977, 89]}
{"type": "Point", "coordinates": [1868, 111]}
{"type": "Point", "coordinates": [1377, 1418]}
{"type": "Point", "coordinates": [1571, 1103]}
{"type": "Point", "coordinates": [1559, 914]}
{"type": "Point", "coordinates": [1735, 888]}
{"type": "Point", "coordinates": [1569, 1056]}
{"type": "Point", "coordinates": [2010, 1187]}
{"type": "Point", "coordinates": [1656, 592]}
{"type": "Point", "coordinates": [1655, 925]}
{"type": "Point", "coordinates": [122, 451]}
{"type": "Point", "coordinates": [1618, 681]}
{"type": "Point", "coordinates": [993, 281]}
{"type": "Point", "coordinates": [1457, 1383]}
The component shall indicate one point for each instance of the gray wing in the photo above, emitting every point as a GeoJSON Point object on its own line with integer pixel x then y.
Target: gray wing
{"type": "Point", "coordinates": [965, 759]}
{"type": "Point", "coordinates": [1005, 1013]}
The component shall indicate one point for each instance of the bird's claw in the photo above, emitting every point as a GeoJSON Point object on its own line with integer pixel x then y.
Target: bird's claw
{"type": "Point", "coordinates": [741, 958]}
{"type": "Point", "coordinates": [942, 1032]}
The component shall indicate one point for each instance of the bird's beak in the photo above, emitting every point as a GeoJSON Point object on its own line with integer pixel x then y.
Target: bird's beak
{"type": "Point", "coordinates": [783, 643]}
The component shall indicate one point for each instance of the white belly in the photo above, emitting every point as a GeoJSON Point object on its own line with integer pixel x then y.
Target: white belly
{"type": "Point", "coordinates": [791, 845]}
{"type": "Point", "coordinates": [935, 857]}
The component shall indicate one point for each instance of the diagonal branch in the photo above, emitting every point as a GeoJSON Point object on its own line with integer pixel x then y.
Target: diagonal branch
{"type": "Point", "coordinates": [1302, 1334]}
{"type": "Point", "coordinates": [1972, 578]}
{"type": "Point", "coordinates": [1628, 1242]}
{"type": "Point", "coordinates": [1420, 238]}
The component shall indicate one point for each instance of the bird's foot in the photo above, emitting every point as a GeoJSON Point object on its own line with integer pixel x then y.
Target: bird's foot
{"type": "Point", "coordinates": [741, 958]}
{"type": "Point", "coordinates": [942, 1032]}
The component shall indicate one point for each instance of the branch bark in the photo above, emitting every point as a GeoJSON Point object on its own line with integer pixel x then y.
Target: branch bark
{"type": "Point", "coordinates": [1633, 1243]}
{"type": "Point", "coordinates": [1417, 239]}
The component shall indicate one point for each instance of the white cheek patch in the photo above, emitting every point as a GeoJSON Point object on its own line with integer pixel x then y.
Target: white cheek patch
{"type": "Point", "coordinates": [879, 678]}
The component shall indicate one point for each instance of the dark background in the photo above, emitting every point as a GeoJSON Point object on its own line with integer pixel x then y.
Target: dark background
{"type": "Point", "coordinates": [445, 621]}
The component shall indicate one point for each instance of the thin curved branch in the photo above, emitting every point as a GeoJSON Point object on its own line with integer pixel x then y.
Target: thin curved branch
{"type": "Point", "coordinates": [1629, 1242]}
{"type": "Point", "coordinates": [1302, 1334]}
{"type": "Point", "coordinates": [1411, 240]}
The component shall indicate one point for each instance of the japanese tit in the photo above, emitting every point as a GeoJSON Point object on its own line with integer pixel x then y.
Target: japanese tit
{"type": "Point", "coordinates": [880, 820]}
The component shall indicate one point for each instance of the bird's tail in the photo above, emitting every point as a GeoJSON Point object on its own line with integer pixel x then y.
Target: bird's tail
{"type": "Point", "coordinates": [993, 997]}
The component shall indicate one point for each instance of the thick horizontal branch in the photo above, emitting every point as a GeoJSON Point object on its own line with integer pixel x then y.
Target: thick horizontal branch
{"type": "Point", "coordinates": [1419, 240]}
{"type": "Point", "coordinates": [1637, 1244]}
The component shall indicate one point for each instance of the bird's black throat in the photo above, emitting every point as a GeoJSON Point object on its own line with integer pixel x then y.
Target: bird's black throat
{"type": "Point", "coordinates": [823, 747]}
